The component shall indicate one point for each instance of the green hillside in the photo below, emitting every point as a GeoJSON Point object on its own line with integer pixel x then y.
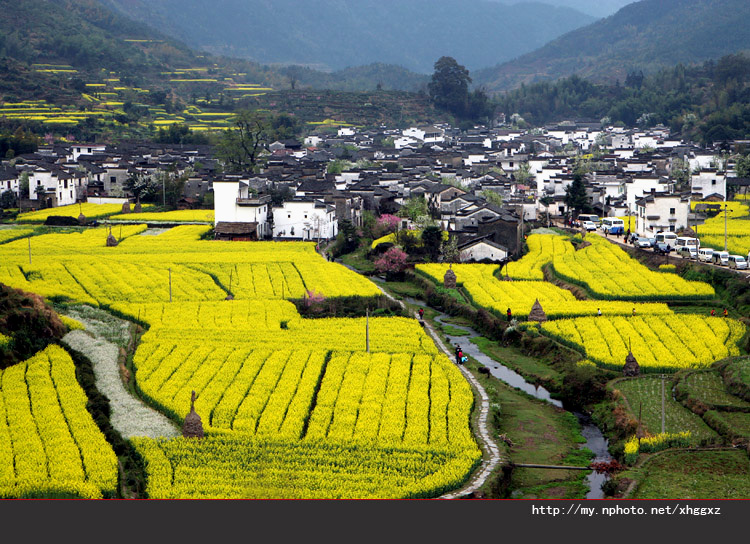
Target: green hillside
{"type": "Point", "coordinates": [646, 36]}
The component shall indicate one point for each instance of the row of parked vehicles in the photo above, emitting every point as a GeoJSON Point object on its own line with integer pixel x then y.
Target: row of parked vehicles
{"type": "Point", "coordinates": [689, 248]}
{"type": "Point", "coordinates": [665, 243]}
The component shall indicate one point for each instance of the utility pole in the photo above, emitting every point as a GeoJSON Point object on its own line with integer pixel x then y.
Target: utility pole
{"type": "Point", "coordinates": [367, 329]}
{"type": "Point", "coordinates": [170, 284]}
{"type": "Point", "coordinates": [725, 227]}
{"type": "Point", "coordinates": [29, 249]}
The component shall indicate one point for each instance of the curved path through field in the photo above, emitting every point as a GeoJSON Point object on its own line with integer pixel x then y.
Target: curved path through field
{"type": "Point", "coordinates": [130, 416]}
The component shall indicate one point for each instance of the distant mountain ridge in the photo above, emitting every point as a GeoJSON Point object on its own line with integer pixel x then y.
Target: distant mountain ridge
{"type": "Point", "coordinates": [344, 33]}
{"type": "Point", "coordinates": [597, 8]}
{"type": "Point", "coordinates": [646, 36]}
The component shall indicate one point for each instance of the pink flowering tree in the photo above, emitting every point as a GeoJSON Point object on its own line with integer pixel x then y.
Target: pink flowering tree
{"type": "Point", "coordinates": [392, 263]}
{"type": "Point", "coordinates": [313, 297]}
{"type": "Point", "coordinates": [388, 222]}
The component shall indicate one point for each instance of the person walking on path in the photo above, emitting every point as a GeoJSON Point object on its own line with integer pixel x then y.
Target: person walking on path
{"type": "Point", "coordinates": [459, 355]}
{"type": "Point", "coordinates": [713, 312]}
{"type": "Point", "coordinates": [421, 314]}
{"type": "Point", "coordinates": [725, 312]}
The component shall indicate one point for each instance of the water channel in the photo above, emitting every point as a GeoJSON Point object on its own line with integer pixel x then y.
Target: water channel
{"type": "Point", "coordinates": [595, 440]}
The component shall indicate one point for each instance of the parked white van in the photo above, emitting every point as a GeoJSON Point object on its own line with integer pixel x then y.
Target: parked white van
{"type": "Point", "coordinates": [705, 254]}
{"type": "Point", "coordinates": [669, 238]}
{"type": "Point", "coordinates": [721, 258]}
{"type": "Point", "coordinates": [685, 241]}
{"type": "Point", "coordinates": [737, 262]}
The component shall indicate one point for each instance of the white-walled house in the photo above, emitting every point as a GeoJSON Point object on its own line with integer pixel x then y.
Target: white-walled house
{"type": "Point", "coordinates": [55, 185]}
{"type": "Point", "coordinates": [235, 203]}
{"type": "Point", "coordinates": [708, 182]}
{"type": "Point", "coordinates": [483, 248]}
{"type": "Point", "coordinates": [305, 219]}
{"type": "Point", "coordinates": [86, 149]}
{"type": "Point", "coordinates": [640, 185]}
{"type": "Point", "coordinates": [661, 212]}
{"type": "Point", "coordinates": [428, 135]}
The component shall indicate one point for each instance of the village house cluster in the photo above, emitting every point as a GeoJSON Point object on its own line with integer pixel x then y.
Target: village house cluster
{"type": "Point", "coordinates": [298, 196]}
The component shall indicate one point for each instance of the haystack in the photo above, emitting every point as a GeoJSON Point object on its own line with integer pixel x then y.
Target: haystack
{"type": "Point", "coordinates": [537, 313]}
{"type": "Point", "coordinates": [631, 368]}
{"type": "Point", "coordinates": [449, 280]}
{"type": "Point", "coordinates": [193, 426]}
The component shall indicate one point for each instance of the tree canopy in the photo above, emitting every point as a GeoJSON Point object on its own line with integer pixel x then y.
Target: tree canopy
{"type": "Point", "coordinates": [449, 86]}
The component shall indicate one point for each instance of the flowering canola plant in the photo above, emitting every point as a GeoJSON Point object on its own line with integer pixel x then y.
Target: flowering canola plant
{"type": "Point", "coordinates": [663, 343]}
{"type": "Point", "coordinates": [292, 407]}
{"type": "Point", "coordinates": [48, 440]}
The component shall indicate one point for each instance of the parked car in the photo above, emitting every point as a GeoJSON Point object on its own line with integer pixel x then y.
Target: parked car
{"type": "Point", "coordinates": [644, 242]}
{"type": "Point", "coordinates": [687, 252]}
{"type": "Point", "coordinates": [705, 254]}
{"type": "Point", "coordinates": [737, 262]}
{"type": "Point", "coordinates": [589, 225]}
{"type": "Point", "coordinates": [662, 248]}
{"type": "Point", "coordinates": [721, 258]}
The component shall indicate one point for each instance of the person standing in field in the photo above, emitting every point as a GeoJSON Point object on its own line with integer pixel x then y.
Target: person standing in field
{"type": "Point", "coordinates": [509, 314]}
{"type": "Point", "coordinates": [725, 312]}
{"type": "Point", "coordinates": [599, 312]}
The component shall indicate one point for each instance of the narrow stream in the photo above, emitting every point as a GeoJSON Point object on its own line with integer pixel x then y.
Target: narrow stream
{"type": "Point", "coordinates": [595, 440]}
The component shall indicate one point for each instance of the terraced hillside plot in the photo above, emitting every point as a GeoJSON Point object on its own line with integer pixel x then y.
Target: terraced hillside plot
{"type": "Point", "coordinates": [708, 387]}
{"type": "Point", "coordinates": [738, 423]}
{"type": "Point", "coordinates": [309, 385]}
{"type": "Point", "coordinates": [79, 266]}
{"type": "Point", "coordinates": [659, 343]}
{"type": "Point", "coordinates": [645, 394]}
{"type": "Point", "coordinates": [497, 295]}
{"type": "Point", "coordinates": [696, 475]}
{"type": "Point", "coordinates": [91, 211]}
{"type": "Point", "coordinates": [175, 216]}
{"type": "Point", "coordinates": [609, 273]}
{"type": "Point", "coordinates": [48, 441]}
{"type": "Point", "coordinates": [543, 249]}
{"type": "Point", "coordinates": [235, 468]}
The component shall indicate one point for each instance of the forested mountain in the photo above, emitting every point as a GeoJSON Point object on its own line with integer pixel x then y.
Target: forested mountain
{"type": "Point", "coordinates": [710, 102]}
{"type": "Point", "coordinates": [336, 34]}
{"type": "Point", "coordinates": [646, 36]}
{"type": "Point", "coordinates": [84, 34]}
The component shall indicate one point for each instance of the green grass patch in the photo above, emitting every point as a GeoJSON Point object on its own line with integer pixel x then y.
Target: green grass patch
{"type": "Point", "coordinates": [694, 475]}
{"type": "Point", "coordinates": [458, 320]}
{"type": "Point", "coordinates": [404, 289]}
{"type": "Point", "coordinates": [646, 393]}
{"type": "Point", "coordinates": [453, 331]}
{"type": "Point", "coordinates": [358, 260]}
{"type": "Point", "coordinates": [533, 369]}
